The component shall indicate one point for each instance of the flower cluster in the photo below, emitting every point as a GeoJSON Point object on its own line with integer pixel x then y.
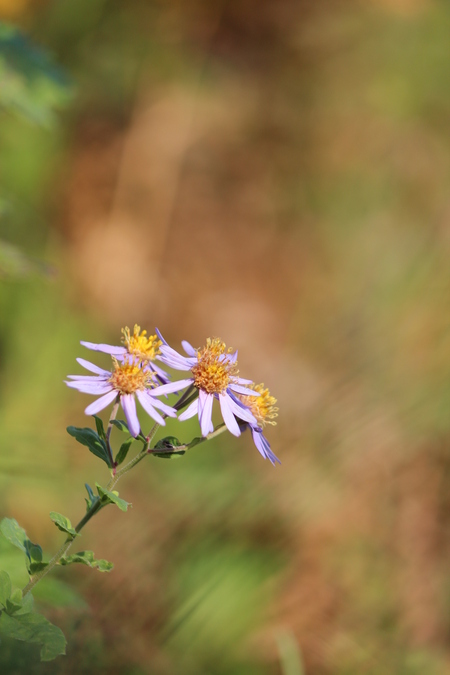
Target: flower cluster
{"type": "Point", "coordinates": [212, 375]}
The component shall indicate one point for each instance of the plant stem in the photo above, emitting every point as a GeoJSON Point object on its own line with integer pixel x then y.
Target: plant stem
{"type": "Point", "coordinates": [97, 505]}
{"type": "Point", "coordinates": [109, 429]}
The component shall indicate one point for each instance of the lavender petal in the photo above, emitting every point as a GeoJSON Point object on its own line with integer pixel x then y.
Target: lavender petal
{"type": "Point", "coordinates": [227, 414]}
{"type": "Point", "coordinates": [190, 411]}
{"type": "Point", "coordinates": [147, 404]}
{"type": "Point", "coordinates": [129, 407]}
{"type": "Point", "coordinates": [101, 403]}
{"type": "Point", "coordinates": [106, 349]}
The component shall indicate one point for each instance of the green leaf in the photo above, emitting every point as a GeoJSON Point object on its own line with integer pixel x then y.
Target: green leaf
{"type": "Point", "coordinates": [63, 524]}
{"type": "Point", "coordinates": [100, 427]}
{"type": "Point", "coordinates": [87, 558]}
{"type": "Point", "coordinates": [169, 445]}
{"type": "Point", "coordinates": [31, 84]}
{"type": "Point", "coordinates": [195, 441]}
{"type": "Point", "coordinates": [27, 604]}
{"type": "Point", "coordinates": [121, 455]}
{"type": "Point", "coordinates": [36, 567]}
{"type": "Point", "coordinates": [91, 497]}
{"type": "Point", "coordinates": [5, 588]}
{"type": "Point", "coordinates": [15, 534]}
{"type": "Point", "coordinates": [34, 551]}
{"type": "Point", "coordinates": [108, 497]}
{"type": "Point", "coordinates": [15, 602]}
{"type": "Point", "coordinates": [32, 627]}
{"type": "Point", "coordinates": [90, 439]}
{"type": "Point", "coordinates": [121, 425]}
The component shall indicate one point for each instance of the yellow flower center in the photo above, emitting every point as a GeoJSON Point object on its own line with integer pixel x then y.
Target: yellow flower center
{"type": "Point", "coordinates": [213, 371]}
{"type": "Point", "coordinates": [145, 348]}
{"type": "Point", "coordinates": [129, 377]}
{"type": "Point", "coordinates": [262, 406]}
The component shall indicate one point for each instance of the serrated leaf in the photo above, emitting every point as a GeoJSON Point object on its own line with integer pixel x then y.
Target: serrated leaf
{"type": "Point", "coordinates": [100, 427]}
{"type": "Point", "coordinates": [32, 627]}
{"type": "Point", "coordinates": [112, 498]}
{"type": "Point", "coordinates": [121, 455]}
{"type": "Point", "coordinates": [87, 558]}
{"type": "Point", "coordinates": [121, 425]}
{"type": "Point", "coordinates": [63, 523]}
{"type": "Point", "coordinates": [91, 440]}
{"type": "Point", "coordinates": [5, 588]}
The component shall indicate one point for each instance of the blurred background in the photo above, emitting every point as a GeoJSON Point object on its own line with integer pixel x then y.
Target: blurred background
{"type": "Point", "coordinates": [275, 173]}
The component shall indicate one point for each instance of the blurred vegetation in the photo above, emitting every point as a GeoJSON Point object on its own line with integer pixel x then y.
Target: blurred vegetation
{"type": "Point", "coordinates": [314, 189]}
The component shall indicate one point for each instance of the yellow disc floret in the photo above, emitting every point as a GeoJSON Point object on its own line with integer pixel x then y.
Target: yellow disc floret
{"type": "Point", "coordinates": [214, 369]}
{"type": "Point", "coordinates": [262, 406]}
{"type": "Point", "coordinates": [129, 377]}
{"type": "Point", "coordinates": [138, 344]}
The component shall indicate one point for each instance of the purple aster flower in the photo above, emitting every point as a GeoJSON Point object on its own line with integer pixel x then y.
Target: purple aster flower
{"type": "Point", "coordinates": [127, 380]}
{"type": "Point", "coordinates": [264, 410]}
{"type": "Point", "coordinates": [137, 345]}
{"type": "Point", "coordinates": [213, 371]}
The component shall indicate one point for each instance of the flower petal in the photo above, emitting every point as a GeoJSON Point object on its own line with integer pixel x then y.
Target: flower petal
{"type": "Point", "coordinates": [262, 445]}
{"type": "Point", "coordinates": [106, 349]}
{"type": "Point", "coordinates": [166, 409]}
{"type": "Point", "coordinates": [93, 368]}
{"type": "Point", "coordinates": [190, 411]}
{"type": "Point", "coordinates": [129, 407]}
{"type": "Point", "coordinates": [90, 387]}
{"type": "Point", "coordinates": [243, 390]}
{"type": "Point", "coordinates": [188, 348]}
{"type": "Point", "coordinates": [227, 414]}
{"type": "Point", "coordinates": [241, 410]}
{"type": "Point", "coordinates": [147, 404]}
{"type": "Point", "coordinates": [101, 403]}
{"type": "Point", "coordinates": [205, 412]}
{"type": "Point", "coordinates": [171, 387]}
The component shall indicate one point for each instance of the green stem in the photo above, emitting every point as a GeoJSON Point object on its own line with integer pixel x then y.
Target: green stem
{"type": "Point", "coordinates": [97, 505]}
{"type": "Point", "coordinates": [109, 429]}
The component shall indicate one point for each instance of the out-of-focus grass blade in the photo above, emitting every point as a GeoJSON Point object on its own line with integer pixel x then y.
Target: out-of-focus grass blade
{"type": "Point", "coordinates": [290, 655]}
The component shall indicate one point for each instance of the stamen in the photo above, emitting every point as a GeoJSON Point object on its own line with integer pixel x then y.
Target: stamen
{"type": "Point", "coordinates": [129, 376]}
{"type": "Point", "coordinates": [145, 348]}
{"type": "Point", "coordinates": [262, 406]}
{"type": "Point", "coordinates": [214, 370]}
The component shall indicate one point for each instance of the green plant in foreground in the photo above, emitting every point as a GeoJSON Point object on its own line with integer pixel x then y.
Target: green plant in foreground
{"type": "Point", "coordinates": [134, 375]}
